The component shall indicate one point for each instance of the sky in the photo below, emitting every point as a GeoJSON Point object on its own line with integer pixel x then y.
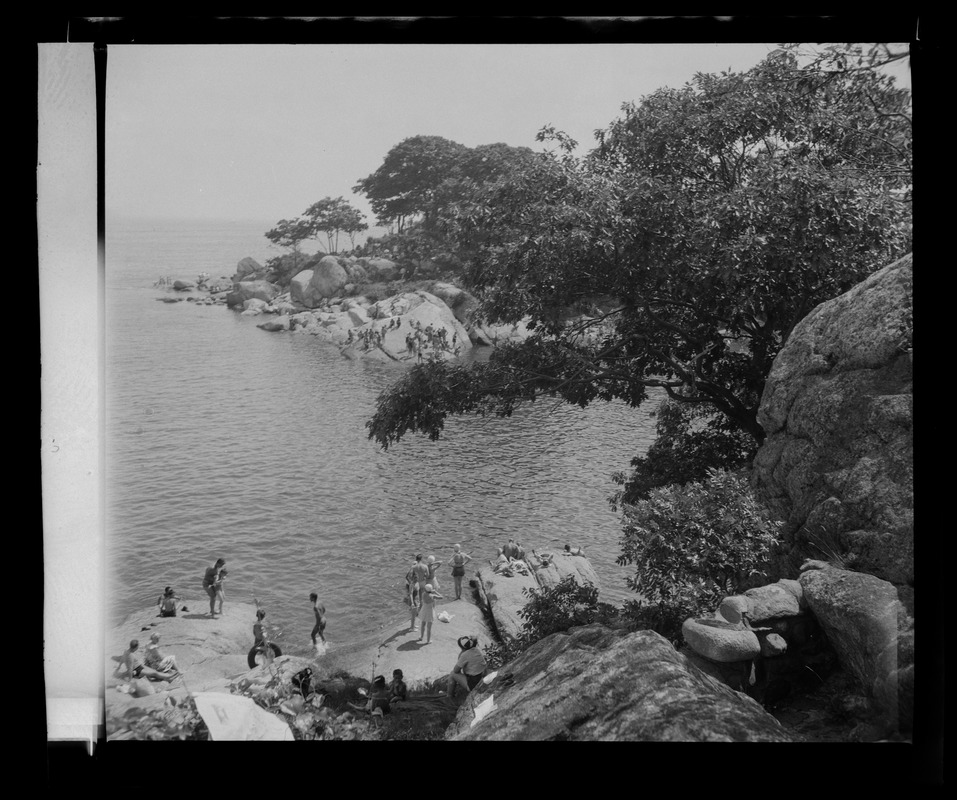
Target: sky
{"type": "Point", "coordinates": [260, 132]}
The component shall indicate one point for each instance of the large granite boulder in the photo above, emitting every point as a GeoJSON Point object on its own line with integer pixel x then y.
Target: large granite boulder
{"type": "Point", "coordinates": [597, 684]}
{"type": "Point", "coordinates": [329, 277]}
{"type": "Point", "coordinates": [248, 269]}
{"type": "Point", "coordinates": [299, 290]}
{"type": "Point", "coordinates": [249, 290]}
{"type": "Point", "coordinates": [871, 630]}
{"type": "Point", "coordinates": [503, 597]}
{"type": "Point", "coordinates": [398, 326]}
{"type": "Point", "coordinates": [838, 464]}
{"type": "Point", "coordinates": [379, 269]}
{"type": "Point", "coordinates": [549, 575]}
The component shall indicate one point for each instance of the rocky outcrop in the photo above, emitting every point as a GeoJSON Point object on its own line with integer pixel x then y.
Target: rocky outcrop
{"type": "Point", "coordinates": [872, 632]}
{"type": "Point", "coordinates": [502, 595]}
{"type": "Point", "coordinates": [407, 327]}
{"type": "Point", "coordinates": [551, 572]}
{"type": "Point", "coordinates": [837, 464]}
{"type": "Point", "coordinates": [379, 269]}
{"type": "Point", "coordinates": [597, 684]}
{"type": "Point", "coordinates": [248, 290]}
{"type": "Point", "coordinates": [209, 652]}
{"type": "Point", "coordinates": [248, 269]}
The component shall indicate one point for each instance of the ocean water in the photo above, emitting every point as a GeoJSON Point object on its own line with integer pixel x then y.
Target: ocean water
{"type": "Point", "coordinates": [225, 440]}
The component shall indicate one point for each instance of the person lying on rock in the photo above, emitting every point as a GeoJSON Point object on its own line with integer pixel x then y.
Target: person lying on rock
{"type": "Point", "coordinates": [136, 667]}
{"type": "Point", "coordinates": [502, 564]}
{"type": "Point", "coordinates": [573, 551]}
{"type": "Point", "coordinates": [156, 660]}
{"type": "Point", "coordinates": [545, 558]}
{"type": "Point", "coordinates": [470, 667]}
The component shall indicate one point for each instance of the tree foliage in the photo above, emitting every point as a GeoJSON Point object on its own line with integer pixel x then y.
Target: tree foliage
{"type": "Point", "coordinates": [691, 440]}
{"type": "Point", "coordinates": [552, 610]}
{"type": "Point", "coordinates": [328, 217]}
{"type": "Point", "coordinates": [705, 224]}
{"type": "Point", "coordinates": [693, 545]}
{"type": "Point", "coordinates": [422, 174]}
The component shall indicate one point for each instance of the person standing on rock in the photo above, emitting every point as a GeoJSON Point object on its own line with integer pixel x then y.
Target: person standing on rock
{"type": "Point", "coordinates": [427, 612]}
{"type": "Point", "coordinates": [320, 613]}
{"type": "Point", "coordinates": [458, 562]}
{"type": "Point", "coordinates": [220, 588]}
{"type": "Point", "coordinates": [209, 579]}
{"type": "Point", "coordinates": [433, 566]}
{"type": "Point", "coordinates": [421, 570]}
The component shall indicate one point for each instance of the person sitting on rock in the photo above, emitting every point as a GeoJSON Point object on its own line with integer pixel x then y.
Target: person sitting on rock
{"type": "Point", "coordinates": [519, 552]}
{"type": "Point", "coordinates": [502, 564]}
{"type": "Point", "coordinates": [156, 660]}
{"type": "Point", "coordinates": [470, 667]}
{"type": "Point", "coordinates": [397, 689]}
{"type": "Point", "coordinates": [167, 602]}
{"type": "Point", "coordinates": [378, 697]}
{"type": "Point", "coordinates": [510, 549]}
{"type": "Point", "coordinates": [137, 668]}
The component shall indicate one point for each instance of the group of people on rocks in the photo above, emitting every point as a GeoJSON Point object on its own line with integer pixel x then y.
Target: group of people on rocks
{"type": "Point", "coordinates": [384, 698]}
{"type": "Point", "coordinates": [152, 665]}
{"type": "Point", "coordinates": [422, 587]}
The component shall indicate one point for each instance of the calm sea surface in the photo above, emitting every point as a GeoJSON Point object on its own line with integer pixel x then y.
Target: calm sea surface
{"type": "Point", "coordinates": [225, 440]}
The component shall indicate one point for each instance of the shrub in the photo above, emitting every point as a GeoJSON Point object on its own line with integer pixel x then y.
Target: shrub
{"type": "Point", "coordinates": [553, 610]}
{"type": "Point", "coordinates": [693, 545]}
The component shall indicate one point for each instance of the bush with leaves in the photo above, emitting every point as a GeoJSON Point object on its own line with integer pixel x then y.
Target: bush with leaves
{"type": "Point", "coordinates": [692, 546]}
{"type": "Point", "coordinates": [691, 440]}
{"type": "Point", "coordinates": [552, 610]}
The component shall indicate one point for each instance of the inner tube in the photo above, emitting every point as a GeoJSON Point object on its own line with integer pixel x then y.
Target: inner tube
{"type": "Point", "coordinates": [257, 651]}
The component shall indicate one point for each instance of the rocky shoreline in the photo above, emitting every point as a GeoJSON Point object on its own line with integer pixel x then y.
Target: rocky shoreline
{"type": "Point", "coordinates": [212, 652]}
{"type": "Point", "coordinates": [361, 305]}
{"type": "Point", "coordinates": [826, 654]}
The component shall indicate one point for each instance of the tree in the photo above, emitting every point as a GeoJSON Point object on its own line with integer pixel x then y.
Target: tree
{"type": "Point", "coordinates": [694, 545]}
{"type": "Point", "coordinates": [422, 174]}
{"type": "Point", "coordinates": [290, 233]}
{"type": "Point", "coordinates": [332, 216]}
{"type": "Point", "coordinates": [708, 221]}
{"type": "Point", "coordinates": [405, 184]}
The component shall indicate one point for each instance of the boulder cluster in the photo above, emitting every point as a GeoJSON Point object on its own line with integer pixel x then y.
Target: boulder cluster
{"type": "Point", "coordinates": [325, 300]}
